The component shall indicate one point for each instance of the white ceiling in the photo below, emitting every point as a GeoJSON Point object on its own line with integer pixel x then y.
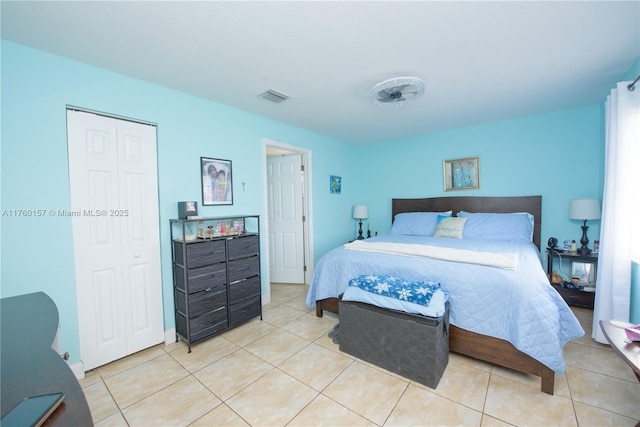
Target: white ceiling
{"type": "Point", "coordinates": [481, 61]}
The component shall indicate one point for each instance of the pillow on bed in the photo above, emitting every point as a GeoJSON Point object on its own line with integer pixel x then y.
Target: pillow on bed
{"type": "Point", "coordinates": [498, 226]}
{"type": "Point", "coordinates": [417, 223]}
{"type": "Point", "coordinates": [450, 227]}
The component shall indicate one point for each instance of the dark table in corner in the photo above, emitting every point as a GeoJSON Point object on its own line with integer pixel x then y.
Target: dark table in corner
{"type": "Point", "coordinates": [30, 366]}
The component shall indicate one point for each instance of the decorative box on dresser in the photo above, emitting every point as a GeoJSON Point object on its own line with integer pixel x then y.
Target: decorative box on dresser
{"type": "Point", "coordinates": [216, 274]}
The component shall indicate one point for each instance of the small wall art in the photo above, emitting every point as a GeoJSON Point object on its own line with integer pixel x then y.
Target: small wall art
{"type": "Point", "coordinates": [335, 184]}
{"type": "Point", "coordinates": [217, 181]}
{"type": "Point", "coordinates": [461, 174]}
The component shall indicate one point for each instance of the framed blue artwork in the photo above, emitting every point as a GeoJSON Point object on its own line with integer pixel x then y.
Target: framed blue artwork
{"type": "Point", "coordinates": [461, 174]}
{"type": "Point", "coordinates": [335, 184]}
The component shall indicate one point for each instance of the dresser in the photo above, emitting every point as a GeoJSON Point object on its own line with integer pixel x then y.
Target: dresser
{"type": "Point", "coordinates": [216, 275]}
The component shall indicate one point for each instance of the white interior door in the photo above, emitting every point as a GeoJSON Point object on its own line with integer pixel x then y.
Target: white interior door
{"type": "Point", "coordinates": [114, 204]}
{"type": "Point", "coordinates": [284, 187]}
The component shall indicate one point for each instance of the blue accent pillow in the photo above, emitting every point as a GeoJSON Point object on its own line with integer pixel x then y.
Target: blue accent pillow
{"type": "Point", "coordinates": [517, 227]}
{"type": "Point", "coordinates": [417, 223]}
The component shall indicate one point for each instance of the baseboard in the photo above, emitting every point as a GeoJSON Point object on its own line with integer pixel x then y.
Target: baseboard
{"type": "Point", "coordinates": [77, 369]}
{"type": "Point", "coordinates": [170, 336]}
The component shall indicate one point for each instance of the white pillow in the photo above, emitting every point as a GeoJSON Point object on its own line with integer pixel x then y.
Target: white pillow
{"type": "Point", "coordinates": [450, 227]}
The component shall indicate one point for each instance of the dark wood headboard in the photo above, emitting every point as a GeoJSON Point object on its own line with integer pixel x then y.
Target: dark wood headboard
{"type": "Point", "coordinates": [531, 204]}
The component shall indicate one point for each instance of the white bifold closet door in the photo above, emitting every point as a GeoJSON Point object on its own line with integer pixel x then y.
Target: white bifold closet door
{"type": "Point", "coordinates": [116, 241]}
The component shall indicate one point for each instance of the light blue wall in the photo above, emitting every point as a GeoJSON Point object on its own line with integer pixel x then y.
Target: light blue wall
{"type": "Point", "coordinates": [558, 156]}
{"type": "Point", "coordinates": [37, 253]}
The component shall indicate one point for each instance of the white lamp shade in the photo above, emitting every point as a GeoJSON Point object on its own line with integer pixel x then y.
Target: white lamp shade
{"type": "Point", "coordinates": [584, 209]}
{"type": "Point", "coordinates": [360, 212]}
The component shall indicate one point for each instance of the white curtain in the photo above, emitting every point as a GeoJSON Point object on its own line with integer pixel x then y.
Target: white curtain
{"type": "Point", "coordinates": [619, 207]}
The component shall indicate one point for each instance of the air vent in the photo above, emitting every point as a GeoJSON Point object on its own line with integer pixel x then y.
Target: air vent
{"type": "Point", "coordinates": [274, 96]}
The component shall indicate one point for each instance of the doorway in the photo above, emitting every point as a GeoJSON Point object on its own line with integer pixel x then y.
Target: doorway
{"type": "Point", "coordinates": [288, 206]}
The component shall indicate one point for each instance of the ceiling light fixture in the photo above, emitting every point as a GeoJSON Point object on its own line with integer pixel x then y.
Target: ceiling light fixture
{"type": "Point", "coordinates": [397, 91]}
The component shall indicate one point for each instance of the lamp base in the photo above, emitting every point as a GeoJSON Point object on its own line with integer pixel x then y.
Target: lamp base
{"type": "Point", "coordinates": [360, 236]}
{"type": "Point", "coordinates": [584, 250]}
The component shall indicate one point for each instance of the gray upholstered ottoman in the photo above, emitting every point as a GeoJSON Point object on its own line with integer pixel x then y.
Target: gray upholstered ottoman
{"type": "Point", "coordinates": [411, 345]}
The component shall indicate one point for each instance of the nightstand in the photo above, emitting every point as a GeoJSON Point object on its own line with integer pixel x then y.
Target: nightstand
{"type": "Point", "coordinates": [576, 297]}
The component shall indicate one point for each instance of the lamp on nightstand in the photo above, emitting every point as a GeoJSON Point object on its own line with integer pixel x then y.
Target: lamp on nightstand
{"type": "Point", "coordinates": [584, 209]}
{"type": "Point", "coordinates": [360, 212]}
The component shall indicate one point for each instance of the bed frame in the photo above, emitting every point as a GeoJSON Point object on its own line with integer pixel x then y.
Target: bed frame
{"type": "Point", "coordinates": [482, 347]}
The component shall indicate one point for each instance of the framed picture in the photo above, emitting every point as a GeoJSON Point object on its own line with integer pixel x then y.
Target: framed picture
{"type": "Point", "coordinates": [217, 182]}
{"type": "Point", "coordinates": [461, 174]}
{"type": "Point", "coordinates": [585, 272]}
{"type": "Point", "coordinates": [335, 184]}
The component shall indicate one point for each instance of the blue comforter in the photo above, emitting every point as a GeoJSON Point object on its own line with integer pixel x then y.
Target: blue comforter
{"type": "Point", "coordinates": [519, 305]}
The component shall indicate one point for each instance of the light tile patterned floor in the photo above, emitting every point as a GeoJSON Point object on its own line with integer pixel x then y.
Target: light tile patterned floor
{"type": "Point", "coordinates": [285, 370]}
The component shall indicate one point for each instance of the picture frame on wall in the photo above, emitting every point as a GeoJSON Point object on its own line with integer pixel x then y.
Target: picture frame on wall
{"type": "Point", "coordinates": [335, 184]}
{"type": "Point", "coordinates": [461, 174]}
{"type": "Point", "coordinates": [217, 181]}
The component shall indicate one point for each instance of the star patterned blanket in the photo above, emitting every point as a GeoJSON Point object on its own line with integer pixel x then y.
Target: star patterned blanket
{"type": "Point", "coordinates": [420, 297]}
{"type": "Point", "coordinates": [395, 287]}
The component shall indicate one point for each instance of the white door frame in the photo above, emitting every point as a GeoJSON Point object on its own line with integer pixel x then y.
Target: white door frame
{"type": "Point", "coordinates": [307, 208]}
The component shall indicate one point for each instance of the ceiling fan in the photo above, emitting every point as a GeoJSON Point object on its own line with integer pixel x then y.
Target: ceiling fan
{"type": "Point", "coordinates": [397, 91]}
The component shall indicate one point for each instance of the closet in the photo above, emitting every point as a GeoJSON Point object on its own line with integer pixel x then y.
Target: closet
{"type": "Point", "coordinates": [115, 222]}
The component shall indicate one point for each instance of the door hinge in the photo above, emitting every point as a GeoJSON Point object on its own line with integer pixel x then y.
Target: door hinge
{"type": "Point", "coordinates": [301, 168]}
{"type": "Point", "coordinates": [304, 269]}
{"type": "Point", "coordinates": [304, 218]}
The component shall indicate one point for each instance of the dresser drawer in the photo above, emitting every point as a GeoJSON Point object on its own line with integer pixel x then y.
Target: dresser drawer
{"type": "Point", "coordinates": [203, 301]}
{"type": "Point", "coordinates": [200, 253]}
{"type": "Point", "coordinates": [209, 323]}
{"type": "Point", "coordinates": [245, 310]}
{"type": "Point", "coordinates": [243, 246]}
{"type": "Point", "coordinates": [244, 289]}
{"type": "Point", "coordinates": [202, 277]}
{"type": "Point", "coordinates": [243, 268]}
{"type": "Point", "coordinates": [576, 297]}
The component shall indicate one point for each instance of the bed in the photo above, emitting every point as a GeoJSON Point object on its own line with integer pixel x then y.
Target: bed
{"type": "Point", "coordinates": [525, 332]}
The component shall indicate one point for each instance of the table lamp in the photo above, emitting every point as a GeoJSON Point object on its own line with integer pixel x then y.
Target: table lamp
{"type": "Point", "coordinates": [360, 212]}
{"type": "Point", "coordinates": [584, 209]}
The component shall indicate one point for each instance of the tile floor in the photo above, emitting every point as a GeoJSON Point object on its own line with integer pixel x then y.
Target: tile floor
{"type": "Point", "coordinates": [285, 371]}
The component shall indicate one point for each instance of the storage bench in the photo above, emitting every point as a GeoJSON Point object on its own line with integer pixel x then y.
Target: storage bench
{"type": "Point", "coordinates": [411, 345]}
